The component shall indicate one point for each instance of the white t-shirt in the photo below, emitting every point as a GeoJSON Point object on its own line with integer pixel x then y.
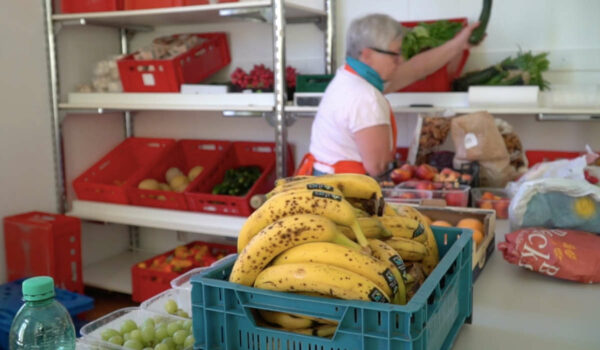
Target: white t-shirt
{"type": "Point", "coordinates": [349, 104]}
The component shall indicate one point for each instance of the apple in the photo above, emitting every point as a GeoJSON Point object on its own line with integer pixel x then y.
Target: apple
{"type": "Point", "coordinates": [408, 196]}
{"type": "Point", "coordinates": [400, 175]}
{"type": "Point", "coordinates": [454, 199]}
{"type": "Point", "coordinates": [426, 172]}
{"type": "Point", "coordinates": [409, 167]}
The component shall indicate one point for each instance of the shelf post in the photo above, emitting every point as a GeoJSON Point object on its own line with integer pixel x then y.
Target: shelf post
{"type": "Point", "coordinates": [127, 122]}
{"type": "Point", "coordinates": [279, 87]}
{"type": "Point", "coordinates": [330, 57]}
{"type": "Point", "coordinates": [59, 169]}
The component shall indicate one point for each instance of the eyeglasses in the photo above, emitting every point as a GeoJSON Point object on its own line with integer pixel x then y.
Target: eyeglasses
{"type": "Point", "coordinates": [386, 52]}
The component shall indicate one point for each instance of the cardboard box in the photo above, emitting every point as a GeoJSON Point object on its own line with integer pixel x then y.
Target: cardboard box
{"type": "Point", "coordinates": [453, 215]}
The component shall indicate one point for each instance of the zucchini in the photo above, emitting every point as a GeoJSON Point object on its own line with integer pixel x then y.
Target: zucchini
{"type": "Point", "coordinates": [484, 18]}
{"type": "Point", "coordinates": [475, 78]}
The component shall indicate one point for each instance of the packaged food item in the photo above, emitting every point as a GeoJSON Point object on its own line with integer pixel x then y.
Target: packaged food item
{"type": "Point", "coordinates": [430, 133]}
{"type": "Point", "coordinates": [476, 138]}
{"type": "Point", "coordinates": [566, 254]}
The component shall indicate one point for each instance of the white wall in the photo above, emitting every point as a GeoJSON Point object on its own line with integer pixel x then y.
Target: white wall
{"type": "Point", "coordinates": [26, 165]}
{"type": "Point", "coordinates": [568, 29]}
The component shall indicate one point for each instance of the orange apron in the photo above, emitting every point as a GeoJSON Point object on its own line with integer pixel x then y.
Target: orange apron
{"type": "Point", "coordinates": [344, 166]}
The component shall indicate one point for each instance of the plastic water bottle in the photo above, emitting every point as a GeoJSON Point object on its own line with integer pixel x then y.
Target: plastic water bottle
{"type": "Point", "coordinates": [42, 323]}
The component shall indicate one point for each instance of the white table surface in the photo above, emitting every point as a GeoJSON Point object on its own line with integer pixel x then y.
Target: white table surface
{"type": "Point", "coordinates": [516, 309]}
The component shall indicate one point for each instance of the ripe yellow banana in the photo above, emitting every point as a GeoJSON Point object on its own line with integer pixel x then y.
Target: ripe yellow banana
{"type": "Point", "coordinates": [432, 258]}
{"type": "Point", "coordinates": [292, 179]}
{"type": "Point", "coordinates": [320, 331]}
{"type": "Point", "coordinates": [351, 185]}
{"type": "Point", "coordinates": [284, 320]}
{"type": "Point", "coordinates": [303, 185]}
{"type": "Point", "coordinates": [388, 210]}
{"type": "Point", "coordinates": [281, 235]}
{"type": "Point", "coordinates": [332, 254]}
{"type": "Point", "coordinates": [401, 226]}
{"type": "Point", "coordinates": [370, 226]}
{"type": "Point", "coordinates": [408, 249]}
{"type": "Point", "coordinates": [387, 254]}
{"type": "Point", "coordinates": [297, 202]}
{"type": "Point", "coordinates": [320, 278]}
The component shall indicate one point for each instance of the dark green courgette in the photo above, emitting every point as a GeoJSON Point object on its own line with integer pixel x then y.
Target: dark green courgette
{"type": "Point", "coordinates": [484, 18]}
{"type": "Point", "coordinates": [475, 78]}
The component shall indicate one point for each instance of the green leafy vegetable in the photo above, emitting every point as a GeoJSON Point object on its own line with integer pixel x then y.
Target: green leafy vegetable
{"type": "Point", "coordinates": [428, 35]}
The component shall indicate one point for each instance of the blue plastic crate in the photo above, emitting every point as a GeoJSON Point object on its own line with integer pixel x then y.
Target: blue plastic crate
{"type": "Point", "coordinates": [11, 301]}
{"type": "Point", "coordinates": [222, 311]}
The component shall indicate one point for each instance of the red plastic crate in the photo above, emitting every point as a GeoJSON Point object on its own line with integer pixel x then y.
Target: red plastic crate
{"type": "Point", "coordinates": [539, 156]}
{"type": "Point", "coordinates": [440, 80]}
{"type": "Point", "coordinates": [151, 4]}
{"type": "Point", "coordinates": [109, 178]}
{"type": "Point", "coordinates": [190, 67]}
{"type": "Point", "coordinates": [38, 243]}
{"type": "Point", "coordinates": [77, 6]}
{"type": "Point", "coordinates": [147, 282]}
{"type": "Point", "coordinates": [205, 2]}
{"type": "Point", "coordinates": [261, 154]}
{"type": "Point", "coordinates": [185, 155]}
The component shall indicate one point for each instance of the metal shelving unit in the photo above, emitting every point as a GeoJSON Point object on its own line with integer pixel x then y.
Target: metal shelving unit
{"type": "Point", "coordinates": [275, 13]}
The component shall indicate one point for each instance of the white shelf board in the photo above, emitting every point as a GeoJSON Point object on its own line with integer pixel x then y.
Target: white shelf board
{"type": "Point", "coordinates": [211, 224]}
{"type": "Point", "coordinates": [114, 273]}
{"type": "Point", "coordinates": [186, 14]}
{"type": "Point", "coordinates": [259, 102]}
{"type": "Point", "coordinates": [458, 103]}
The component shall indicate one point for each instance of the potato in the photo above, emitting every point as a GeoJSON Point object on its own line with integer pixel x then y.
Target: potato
{"type": "Point", "coordinates": [171, 173]}
{"type": "Point", "coordinates": [178, 181]}
{"type": "Point", "coordinates": [148, 184]}
{"type": "Point", "coordinates": [164, 187]}
{"type": "Point", "coordinates": [194, 172]}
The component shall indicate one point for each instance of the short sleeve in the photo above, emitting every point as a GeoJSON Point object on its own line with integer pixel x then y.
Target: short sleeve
{"type": "Point", "coordinates": [366, 111]}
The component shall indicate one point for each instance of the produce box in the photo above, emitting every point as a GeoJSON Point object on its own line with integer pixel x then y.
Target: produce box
{"type": "Point", "coordinates": [93, 331]}
{"type": "Point", "coordinates": [163, 303]}
{"type": "Point", "coordinates": [431, 319]}
{"type": "Point", "coordinates": [168, 75]}
{"type": "Point", "coordinates": [453, 215]}
{"type": "Point", "coordinates": [186, 155]}
{"type": "Point", "coordinates": [184, 281]}
{"type": "Point", "coordinates": [415, 192]}
{"type": "Point", "coordinates": [44, 244]}
{"type": "Point", "coordinates": [109, 178]}
{"type": "Point", "coordinates": [491, 198]}
{"type": "Point", "coordinates": [261, 154]}
{"type": "Point", "coordinates": [154, 275]}
{"type": "Point", "coordinates": [440, 80]}
{"type": "Point", "coordinates": [79, 6]}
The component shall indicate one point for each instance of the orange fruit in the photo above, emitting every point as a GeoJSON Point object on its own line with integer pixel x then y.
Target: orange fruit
{"type": "Point", "coordinates": [473, 224]}
{"type": "Point", "coordinates": [477, 237]}
{"type": "Point", "coordinates": [441, 223]}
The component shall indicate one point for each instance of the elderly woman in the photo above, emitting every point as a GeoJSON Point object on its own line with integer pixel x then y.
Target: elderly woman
{"type": "Point", "coordinates": [354, 130]}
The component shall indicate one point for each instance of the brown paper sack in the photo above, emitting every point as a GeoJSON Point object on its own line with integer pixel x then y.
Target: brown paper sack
{"type": "Point", "coordinates": [476, 138]}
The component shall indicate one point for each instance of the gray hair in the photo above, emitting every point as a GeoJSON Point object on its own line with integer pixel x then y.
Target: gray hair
{"type": "Point", "coordinates": [376, 30]}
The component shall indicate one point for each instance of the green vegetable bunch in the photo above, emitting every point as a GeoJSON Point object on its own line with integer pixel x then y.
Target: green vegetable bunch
{"type": "Point", "coordinates": [525, 69]}
{"type": "Point", "coordinates": [428, 35]}
{"type": "Point", "coordinates": [238, 181]}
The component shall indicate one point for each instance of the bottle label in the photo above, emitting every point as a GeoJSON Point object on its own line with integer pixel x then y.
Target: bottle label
{"type": "Point", "coordinates": [327, 195]}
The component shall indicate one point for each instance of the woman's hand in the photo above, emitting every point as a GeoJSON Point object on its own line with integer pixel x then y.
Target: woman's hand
{"type": "Point", "coordinates": [461, 40]}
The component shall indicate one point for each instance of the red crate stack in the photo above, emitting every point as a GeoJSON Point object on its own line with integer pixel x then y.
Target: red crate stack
{"type": "Point", "coordinates": [108, 179]}
{"type": "Point", "coordinates": [261, 154]}
{"type": "Point", "coordinates": [185, 155]}
{"type": "Point", "coordinates": [148, 281]}
{"type": "Point", "coordinates": [167, 75]}
{"type": "Point", "coordinates": [77, 6]}
{"type": "Point", "coordinates": [38, 243]}
{"type": "Point", "coordinates": [440, 80]}
{"type": "Point", "coordinates": [150, 4]}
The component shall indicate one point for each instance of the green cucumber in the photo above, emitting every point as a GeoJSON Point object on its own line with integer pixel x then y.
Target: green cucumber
{"type": "Point", "coordinates": [484, 18]}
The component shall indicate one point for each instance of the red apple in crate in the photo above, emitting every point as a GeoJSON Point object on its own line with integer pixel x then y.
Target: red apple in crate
{"type": "Point", "coordinates": [400, 175]}
{"type": "Point", "coordinates": [425, 188]}
{"type": "Point", "coordinates": [455, 198]}
{"type": "Point", "coordinates": [408, 195]}
{"type": "Point", "coordinates": [426, 172]}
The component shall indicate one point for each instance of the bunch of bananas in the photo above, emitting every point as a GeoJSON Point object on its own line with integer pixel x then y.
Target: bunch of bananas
{"type": "Point", "coordinates": [332, 236]}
